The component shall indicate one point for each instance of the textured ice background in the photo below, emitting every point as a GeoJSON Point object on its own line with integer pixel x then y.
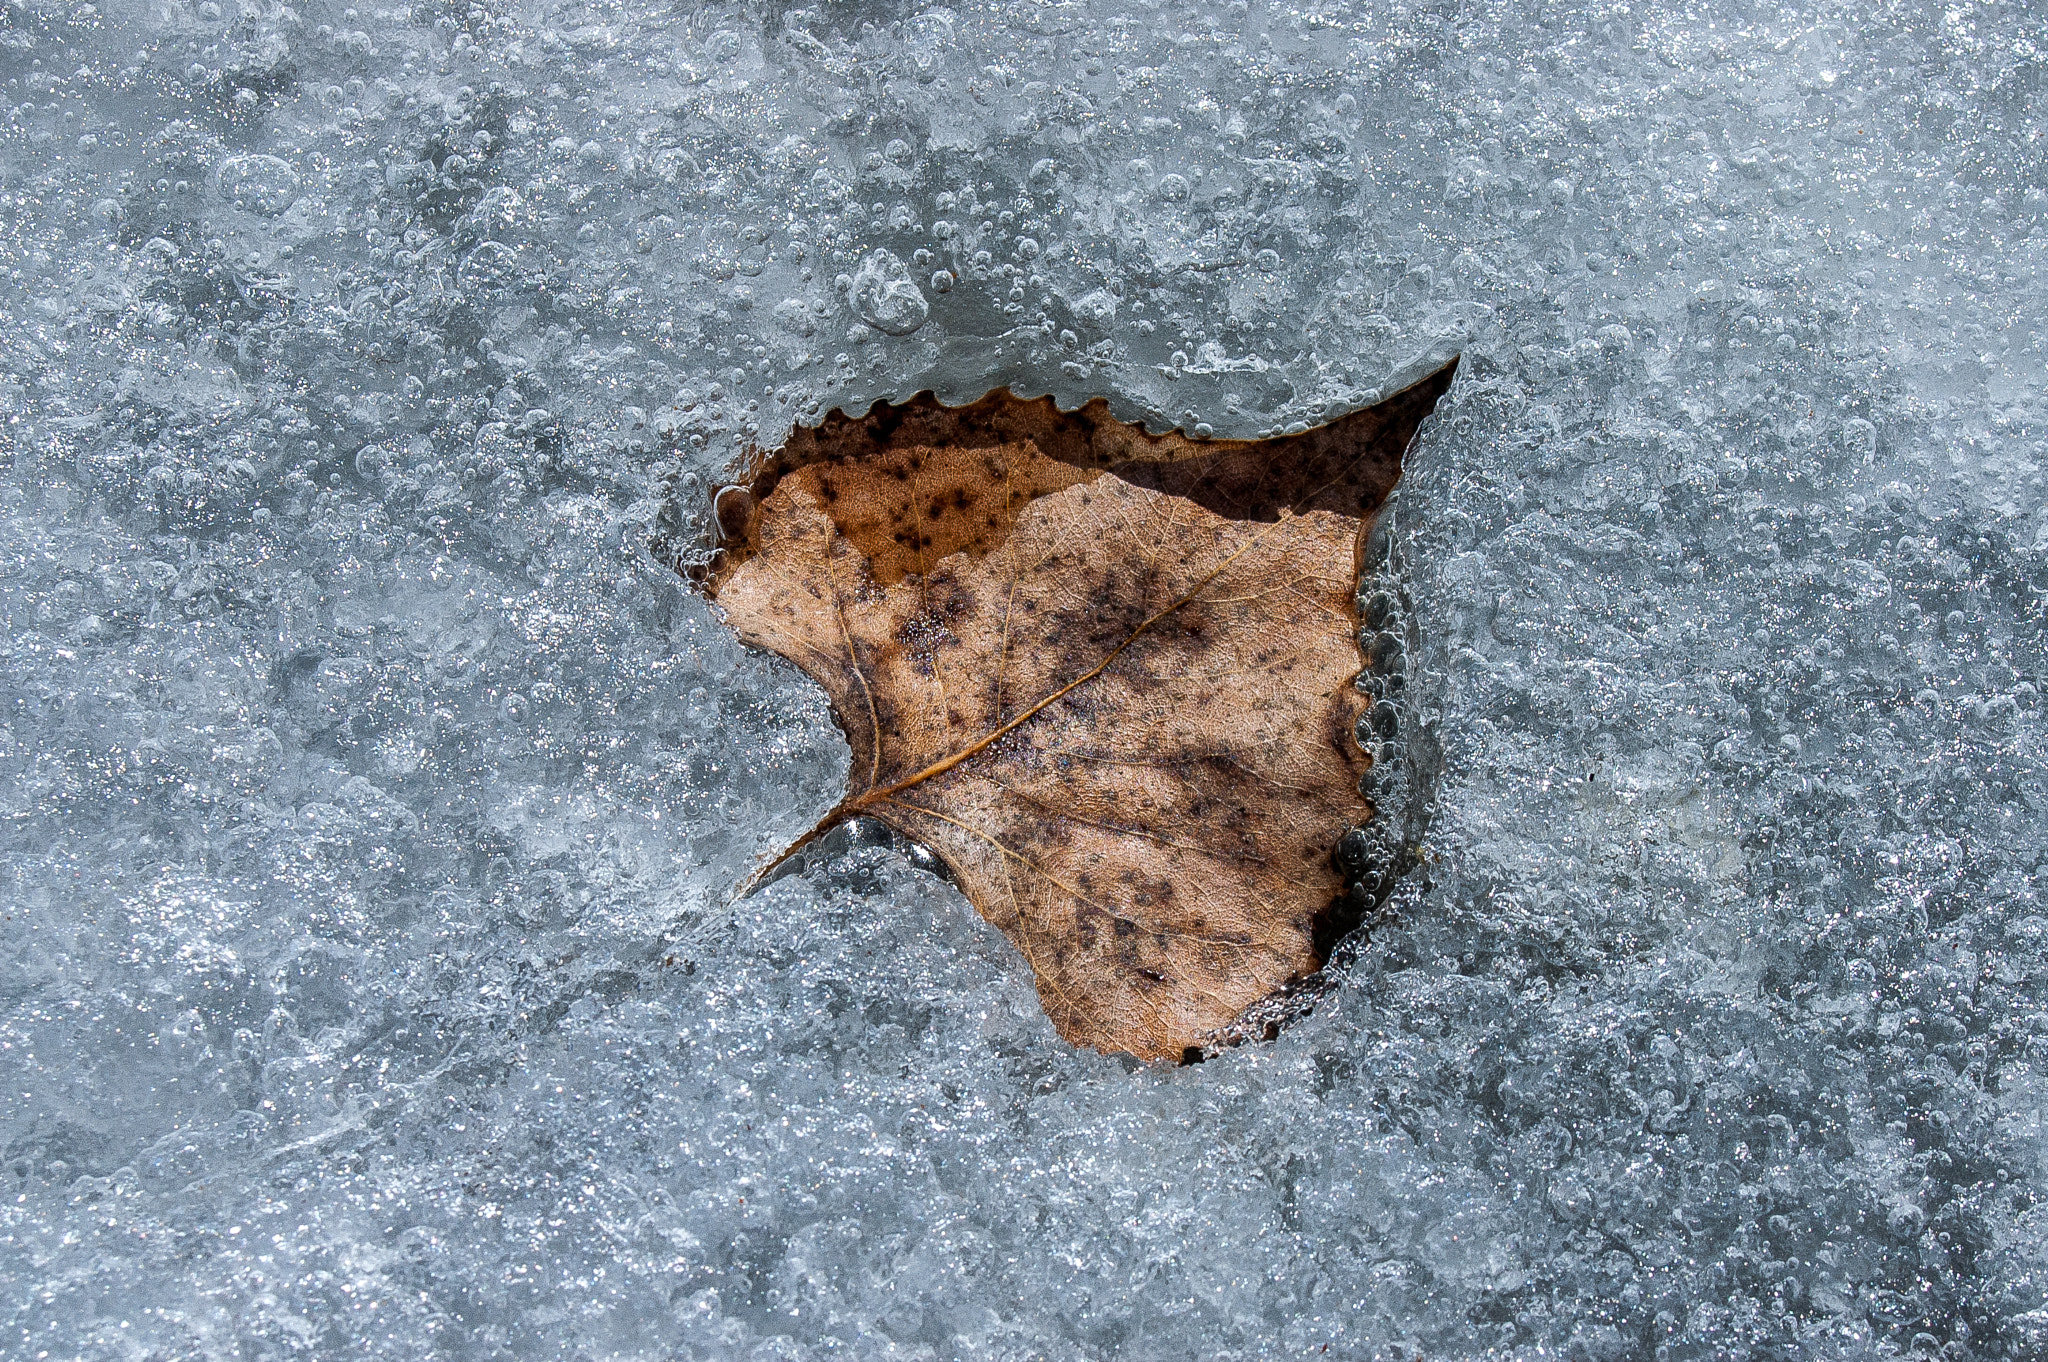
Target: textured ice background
{"type": "Point", "coordinates": [371, 791]}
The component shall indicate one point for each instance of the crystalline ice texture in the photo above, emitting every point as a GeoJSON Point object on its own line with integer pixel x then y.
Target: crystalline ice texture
{"type": "Point", "coordinates": [373, 784]}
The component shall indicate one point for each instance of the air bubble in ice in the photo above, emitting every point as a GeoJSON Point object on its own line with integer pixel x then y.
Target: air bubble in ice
{"type": "Point", "coordinates": [1383, 653]}
{"type": "Point", "coordinates": [1173, 188]}
{"type": "Point", "coordinates": [406, 174]}
{"type": "Point", "coordinates": [884, 296]}
{"type": "Point", "coordinates": [1096, 307]}
{"type": "Point", "coordinates": [259, 184]}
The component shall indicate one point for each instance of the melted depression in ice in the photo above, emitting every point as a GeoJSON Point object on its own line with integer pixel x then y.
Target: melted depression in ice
{"type": "Point", "coordinates": [373, 784]}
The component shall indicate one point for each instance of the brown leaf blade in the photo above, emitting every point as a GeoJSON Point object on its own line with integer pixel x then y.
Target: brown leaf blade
{"type": "Point", "coordinates": [1106, 676]}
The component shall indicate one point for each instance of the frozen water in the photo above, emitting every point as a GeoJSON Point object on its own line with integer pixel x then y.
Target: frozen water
{"type": "Point", "coordinates": [373, 786]}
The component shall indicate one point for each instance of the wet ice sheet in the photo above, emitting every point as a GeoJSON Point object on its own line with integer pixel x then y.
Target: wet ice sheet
{"type": "Point", "coordinates": [372, 790]}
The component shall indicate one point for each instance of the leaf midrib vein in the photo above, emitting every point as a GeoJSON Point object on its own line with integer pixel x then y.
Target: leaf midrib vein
{"type": "Point", "coordinates": [945, 764]}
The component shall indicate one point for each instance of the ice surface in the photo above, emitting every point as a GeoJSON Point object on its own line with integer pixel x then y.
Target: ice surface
{"type": "Point", "coordinates": [372, 787]}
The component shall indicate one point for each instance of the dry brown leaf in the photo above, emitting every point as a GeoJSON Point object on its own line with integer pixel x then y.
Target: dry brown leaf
{"type": "Point", "coordinates": [1106, 676]}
